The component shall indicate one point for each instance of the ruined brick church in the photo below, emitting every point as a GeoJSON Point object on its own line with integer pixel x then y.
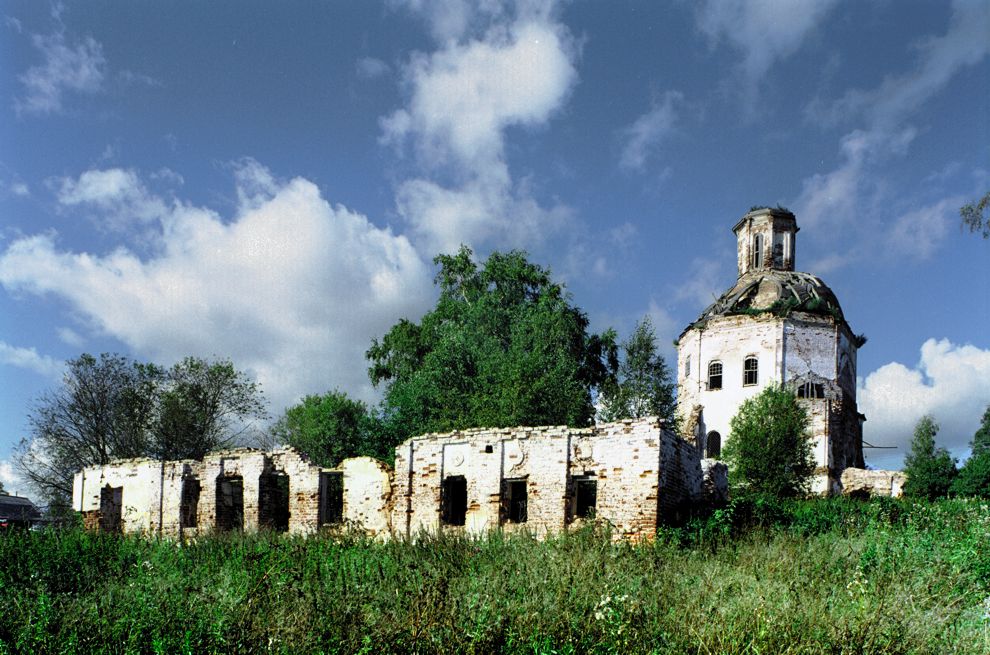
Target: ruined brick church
{"type": "Point", "coordinates": [775, 325]}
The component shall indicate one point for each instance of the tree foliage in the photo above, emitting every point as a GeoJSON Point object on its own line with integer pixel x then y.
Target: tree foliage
{"type": "Point", "coordinates": [643, 386]}
{"type": "Point", "coordinates": [767, 449]}
{"type": "Point", "coordinates": [974, 476]}
{"type": "Point", "coordinates": [202, 406]}
{"type": "Point", "coordinates": [981, 438]}
{"type": "Point", "coordinates": [973, 215]}
{"type": "Point", "coordinates": [503, 346]}
{"type": "Point", "coordinates": [330, 428]}
{"type": "Point", "coordinates": [930, 470]}
{"type": "Point", "coordinates": [112, 407]}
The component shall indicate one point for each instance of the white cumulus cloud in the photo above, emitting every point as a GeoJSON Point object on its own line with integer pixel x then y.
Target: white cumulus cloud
{"type": "Point", "coordinates": [118, 196]}
{"type": "Point", "coordinates": [12, 484]}
{"type": "Point", "coordinates": [291, 288]}
{"type": "Point", "coordinates": [461, 100]}
{"type": "Point", "coordinates": [30, 359]}
{"type": "Point", "coordinates": [950, 382]}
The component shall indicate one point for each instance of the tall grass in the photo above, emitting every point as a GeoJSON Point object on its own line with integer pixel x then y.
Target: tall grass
{"type": "Point", "coordinates": [824, 576]}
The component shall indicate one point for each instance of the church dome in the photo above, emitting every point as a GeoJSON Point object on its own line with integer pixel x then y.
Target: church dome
{"type": "Point", "coordinates": [776, 292]}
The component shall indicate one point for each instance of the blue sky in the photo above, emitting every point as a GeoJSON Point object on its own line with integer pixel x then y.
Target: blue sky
{"type": "Point", "coordinates": [270, 181]}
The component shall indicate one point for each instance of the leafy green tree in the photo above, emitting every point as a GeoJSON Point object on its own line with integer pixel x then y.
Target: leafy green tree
{"type": "Point", "coordinates": [330, 428]}
{"type": "Point", "coordinates": [202, 406]}
{"type": "Point", "coordinates": [974, 476]}
{"type": "Point", "coordinates": [643, 386]}
{"type": "Point", "coordinates": [112, 407]}
{"type": "Point", "coordinates": [767, 449]}
{"type": "Point", "coordinates": [929, 470]}
{"type": "Point", "coordinates": [503, 346]}
{"type": "Point", "coordinates": [973, 215]}
{"type": "Point", "coordinates": [981, 438]}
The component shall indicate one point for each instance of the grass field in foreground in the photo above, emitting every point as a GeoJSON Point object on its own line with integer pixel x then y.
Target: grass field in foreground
{"type": "Point", "coordinates": [815, 576]}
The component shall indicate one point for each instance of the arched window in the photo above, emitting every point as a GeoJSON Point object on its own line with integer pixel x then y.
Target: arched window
{"type": "Point", "coordinates": [687, 366]}
{"type": "Point", "coordinates": [751, 371]}
{"type": "Point", "coordinates": [713, 445]}
{"type": "Point", "coordinates": [714, 376]}
{"type": "Point", "coordinates": [758, 251]}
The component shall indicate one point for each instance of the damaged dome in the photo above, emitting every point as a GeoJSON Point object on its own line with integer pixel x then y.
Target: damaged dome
{"type": "Point", "coordinates": [776, 292]}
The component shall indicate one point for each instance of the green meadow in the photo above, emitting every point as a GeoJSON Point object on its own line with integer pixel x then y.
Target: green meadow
{"type": "Point", "coordinates": [809, 576]}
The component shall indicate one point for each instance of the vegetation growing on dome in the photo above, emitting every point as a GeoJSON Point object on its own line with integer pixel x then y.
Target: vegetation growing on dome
{"type": "Point", "coordinates": [778, 208]}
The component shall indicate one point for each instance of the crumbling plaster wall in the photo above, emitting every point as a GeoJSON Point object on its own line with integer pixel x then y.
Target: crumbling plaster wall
{"type": "Point", "coordinates": [644, 475]}
{"type": "Point", "coordinates": [140, 481]}
{"type": "Point", "coordinates": [367, 495]}
{"type": "Point", "coordinates": [642, 472]}
{"type": "Point", "coordinates": [864, 482]}
{"type": "Point", "coordinates": [788, 348]}
{"type": "Point", "coordinates": [152, 491]}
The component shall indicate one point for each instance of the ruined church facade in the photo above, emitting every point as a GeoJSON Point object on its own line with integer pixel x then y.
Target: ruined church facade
{"type": "Point", "coordinates": [775, 325]}
{"type": "Point", "coordinates": [634, 475]}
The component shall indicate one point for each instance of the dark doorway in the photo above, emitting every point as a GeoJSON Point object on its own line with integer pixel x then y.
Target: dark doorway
{"type": "Point", "coordinates": [331, 498]}
{"type": "Point", "coordinates": [514, 501]}
{"type": "Point", "coordinates": [585, 497]}
{"type": "Point", "coordinates": [273, 501]}
{"type": "Point", "coordinates": [453, 500]}
{"type": "Point", "coordinates": [230, 503]}
{"type": "Point", "coordinates": [713, 445]}
{"type": "Point", "coordinates": [111, 509]}
{"type": "Point", "coordinates": [189, 503]}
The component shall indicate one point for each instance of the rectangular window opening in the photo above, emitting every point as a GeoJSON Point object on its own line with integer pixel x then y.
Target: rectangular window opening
{"type": "Point", "coordinates": [273, 501]}
{"type": "Point", "coordinates": [111, 509]}
{"type": "Point", "coordinates": [714, 376]}
{"type": "Point", "coordinates": [811, 390]}
{"type": "Point", "coordinates": [514, 501]}
{"type": "Point", "coordinates": [331, 498]}
{"type": "Point", "coordinates": [230, 503]}
{"type": "Point", "coordinates": [189, 503]}
{"type": "Point", "coordinates": [453, 500]}
{"type": "Point", "coordinates": [750, 371]}
{"type": "Point", "coordinates": [585, 497]}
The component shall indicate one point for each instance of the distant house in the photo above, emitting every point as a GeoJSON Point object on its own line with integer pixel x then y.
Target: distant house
{"type": "Point", "coordinates": [17, 512]}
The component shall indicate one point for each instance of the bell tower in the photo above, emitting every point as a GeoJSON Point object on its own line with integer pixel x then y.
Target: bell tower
{"type": "Point", "coordinates": [765, 240]}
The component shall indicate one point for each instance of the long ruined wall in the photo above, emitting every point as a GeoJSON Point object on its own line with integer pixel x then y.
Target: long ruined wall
{"type": "Point", "coordinates": [242, 489]}
{"type": "Point", "coordinates": [632, 474]}
{"type": "Point", "coordinates": [641, 474]}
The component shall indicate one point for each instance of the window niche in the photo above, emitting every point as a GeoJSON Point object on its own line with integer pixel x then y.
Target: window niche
{"type": "Point", "coordinates": [111, 509]}
{"type": "Point", "coordinates": [713, 445]}
{"type": "Point", "coordinates": [273, 501]}
{"type": "Point", "coordinates": [757, 251]}
{"type": "Point", "coordinates": [453, 500]}
{"type": "Point", "coordinates": [515, 499]}
{"type": "Point", "coordinates": [189, 502]}
{"type": "Point", "coordinates": [714, 376]}
{"type": "Point", "coordinates": [331, 498]}
{"type": "Point", "coordinates": [751, 371]}
{"type": "Point", "coordinates": [811, 390]}
{"type": "Point", "coordinates": [584, 499]}
{"type": "Point", "coordinates": [230, 503]}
